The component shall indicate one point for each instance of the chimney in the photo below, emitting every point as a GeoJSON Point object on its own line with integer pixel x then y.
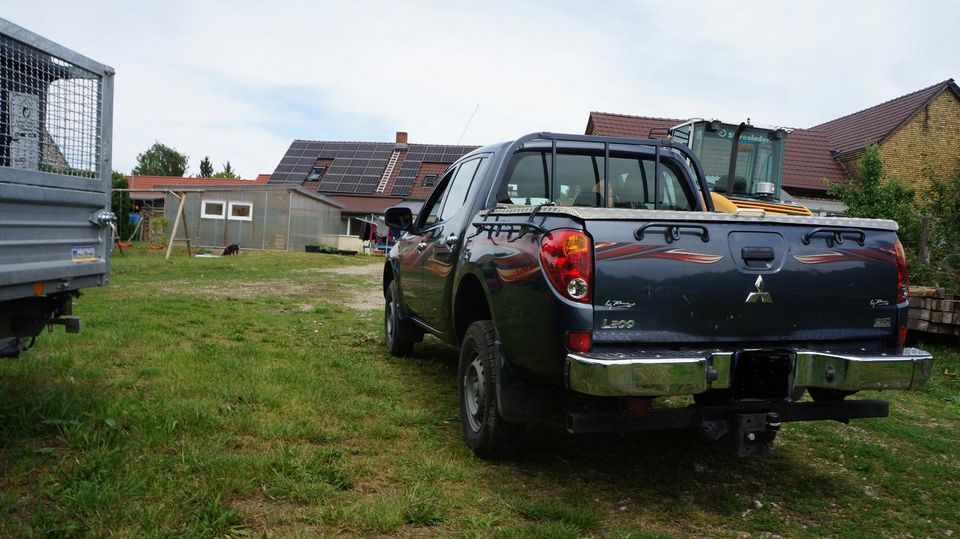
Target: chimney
{"type": "Point", "coordinates": [401, 137]}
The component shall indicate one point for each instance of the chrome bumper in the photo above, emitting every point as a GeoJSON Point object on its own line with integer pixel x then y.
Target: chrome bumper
{"type": "Point", "coordinates": [688, 373]}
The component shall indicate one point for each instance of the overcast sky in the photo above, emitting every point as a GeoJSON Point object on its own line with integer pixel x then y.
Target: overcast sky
{"type": "Point", "coordinates": [240, 80]}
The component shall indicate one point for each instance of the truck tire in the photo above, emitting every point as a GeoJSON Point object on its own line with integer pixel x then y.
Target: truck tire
{"type": "Point", "coordinates": [393, 334]}
{"type": "Point", "coordinates": [484, 430]}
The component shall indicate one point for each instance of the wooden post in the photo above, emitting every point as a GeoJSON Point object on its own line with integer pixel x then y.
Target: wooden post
{"type": "Point", "coordinates": [924, 234]}
{"type": "Point", "coordinates": [186, 225]}
{"type": "Point", "coordinates": [176, 224]}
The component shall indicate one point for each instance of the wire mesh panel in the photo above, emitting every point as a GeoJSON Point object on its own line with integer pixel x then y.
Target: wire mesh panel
{"type": "Point", "coordinates": [50, 113]}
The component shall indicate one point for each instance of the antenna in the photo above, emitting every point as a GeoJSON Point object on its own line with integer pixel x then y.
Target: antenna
{"type": "Point", "coordinates": [468, 123]}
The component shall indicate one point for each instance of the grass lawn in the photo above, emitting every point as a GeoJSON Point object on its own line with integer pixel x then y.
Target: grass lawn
{"type": "Point", "coordinates": [244, 396]}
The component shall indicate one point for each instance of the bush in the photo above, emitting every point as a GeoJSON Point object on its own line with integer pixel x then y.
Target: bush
{"type": "Point", "coordinates": [320, 248]}
{"type": "Point", "coordinates": [878, 196]}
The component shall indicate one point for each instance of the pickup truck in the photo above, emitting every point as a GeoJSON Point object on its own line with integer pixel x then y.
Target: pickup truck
{"type": "Point", "coordinates": [585, 278]}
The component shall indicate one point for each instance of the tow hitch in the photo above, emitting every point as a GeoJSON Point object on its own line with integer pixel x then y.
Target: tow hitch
{"type": "Point", "coordinates": [751, 426]}
{"type": "Point", "coordinates": [754, 433]}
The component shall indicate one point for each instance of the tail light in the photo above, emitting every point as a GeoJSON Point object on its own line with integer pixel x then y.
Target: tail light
{"type": "Point", "coordinates": [567, 259]}
{"type": "Point", "coordinates": [903, 276]}
{"type": "Point", "coordinates": [580, 341]}
{"type": "Point", "coordinates": [903, 284]}
{"type": "Point", "coordinates": [901, 339]}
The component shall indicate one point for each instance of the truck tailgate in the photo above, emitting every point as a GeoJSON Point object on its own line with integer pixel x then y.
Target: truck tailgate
{"type": "Point", "coordinates": [747, 280]}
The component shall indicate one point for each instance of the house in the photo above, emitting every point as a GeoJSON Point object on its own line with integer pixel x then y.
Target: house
{"type": "Point", "coordinates": [807, 156]}
{"type": "Point", "coordinates": [918, 134]}
{"type": "Point", "coordinates": [366, 178]}
{"type": "Point", "coordinates": [144, 196]}
{"type": "Point", "coordinates": [254, 216]}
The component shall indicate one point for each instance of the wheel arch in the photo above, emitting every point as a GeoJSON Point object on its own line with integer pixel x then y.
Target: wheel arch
{"type": "Point", "coordinates": [388, 276]}
{"type": "Point", "coordinates": [471, 303]}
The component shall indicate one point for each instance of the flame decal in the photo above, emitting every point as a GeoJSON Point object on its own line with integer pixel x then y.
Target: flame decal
{"type": "Point", "coordinates": [618, 251]}
{"type": "Point", "coordinates": [882, 256]}
{"type": "Point", "coordinates": [677, 254]}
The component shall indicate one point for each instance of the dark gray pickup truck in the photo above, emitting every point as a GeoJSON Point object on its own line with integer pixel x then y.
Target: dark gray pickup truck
{"type": "Point", "coordinates": [584, 278]}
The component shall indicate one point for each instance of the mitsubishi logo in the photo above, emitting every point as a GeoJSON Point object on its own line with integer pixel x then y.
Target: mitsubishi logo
{"type": "Point", "coordinates": [759, 296]}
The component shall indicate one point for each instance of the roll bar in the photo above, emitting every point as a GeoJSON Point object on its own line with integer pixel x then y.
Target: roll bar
{"type": "Point", "coordinates": [704, 202]}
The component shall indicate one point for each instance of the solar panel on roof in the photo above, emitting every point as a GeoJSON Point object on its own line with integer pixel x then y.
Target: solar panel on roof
{"type": "Point", "coordinates": [422, 153]}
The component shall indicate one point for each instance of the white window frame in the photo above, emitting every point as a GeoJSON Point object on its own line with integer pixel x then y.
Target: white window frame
{"type": "Point", "coordinates": [233, 204]}
{"type": "Point", "coordinates": [204, 214]}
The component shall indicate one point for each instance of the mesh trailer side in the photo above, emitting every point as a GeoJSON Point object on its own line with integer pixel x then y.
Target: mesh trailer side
{"type": "Point", "coordinates": [50, 113]}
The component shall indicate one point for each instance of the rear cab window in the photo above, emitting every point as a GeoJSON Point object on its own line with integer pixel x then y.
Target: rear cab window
{"type": "Point", "coordinates": [635, 181]}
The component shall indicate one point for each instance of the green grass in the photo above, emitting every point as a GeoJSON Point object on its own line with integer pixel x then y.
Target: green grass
{"type": "Point", "coordinates": [243, 396]}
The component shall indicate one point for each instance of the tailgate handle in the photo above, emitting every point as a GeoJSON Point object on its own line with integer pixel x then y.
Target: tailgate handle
{"type": "Point", "coordinates": [672, 231]}
{"type": "Point", "coordinates": [757, 254]}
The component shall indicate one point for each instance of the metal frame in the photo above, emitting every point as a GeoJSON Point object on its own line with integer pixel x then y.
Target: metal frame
{"type": "Point", "coordinates": [105, 74]}
{"type": "Point", "coordinates": [703, 203]}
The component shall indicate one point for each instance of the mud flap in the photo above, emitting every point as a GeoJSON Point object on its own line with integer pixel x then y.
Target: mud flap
{"type": "Point", "coordinates": [520, 402]}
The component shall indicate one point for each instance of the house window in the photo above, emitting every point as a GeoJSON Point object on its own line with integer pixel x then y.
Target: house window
{"type": "Point", "coordinates": [213, 209]}
{"type": "Point", "coordinates": [240, 211]}
{"type": "Point", "coordinates": [316, 173]}
{"type": "Point", "coordinates": [429, 180]}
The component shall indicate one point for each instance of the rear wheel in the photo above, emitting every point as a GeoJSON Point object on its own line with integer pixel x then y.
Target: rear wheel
{"type": "Point", "coordinates": [393, 336]}
{"type": "Point", "coordinates": [483, 429]}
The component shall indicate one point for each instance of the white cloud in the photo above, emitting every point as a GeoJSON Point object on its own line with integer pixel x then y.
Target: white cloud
{"type": "Point", "coordinates": [239, 80]}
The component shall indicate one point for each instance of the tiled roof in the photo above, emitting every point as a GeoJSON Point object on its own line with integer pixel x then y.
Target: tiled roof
{"type": "Point", "coordinates": [622, 125]}
{"type": "Point", "coordinates": [853, 132]}
{"type": "Point", "coordinates": [357, 167]}
{"type": "Point", "coordinates": [146, 183]}
{"type": "Point", "coordinates": [807, 159]}
{"type": "Point", "coordinates": [361, 204]}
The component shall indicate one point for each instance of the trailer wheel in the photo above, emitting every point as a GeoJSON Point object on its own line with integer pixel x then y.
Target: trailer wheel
{"type": "Point", "coordinates": [484, 430]}
{"type": "Point", "coordinates": [393, 335]}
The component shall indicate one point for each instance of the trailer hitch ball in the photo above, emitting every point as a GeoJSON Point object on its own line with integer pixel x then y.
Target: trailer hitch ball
{"type": "Point", "coordinates": [773, 422]}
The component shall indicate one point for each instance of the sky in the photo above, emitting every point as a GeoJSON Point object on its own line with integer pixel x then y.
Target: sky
{"type": "Point", "coordinates": [239, 80]}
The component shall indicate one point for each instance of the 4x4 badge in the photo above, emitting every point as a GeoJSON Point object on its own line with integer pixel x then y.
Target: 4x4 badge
{"type": "Point", "coordinates": [759, 296]}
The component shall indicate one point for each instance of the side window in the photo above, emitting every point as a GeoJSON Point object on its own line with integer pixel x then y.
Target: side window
{"type": "Point", "coordinates": [459, 187]}
{"type": "Point", "coordinates": [526, 182]}
{"type": "Point", "coordinates": [430, 212]}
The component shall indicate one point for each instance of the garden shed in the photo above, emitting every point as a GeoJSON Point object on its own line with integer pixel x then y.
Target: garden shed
{"type": "Point", "coordinates": [281, 218]}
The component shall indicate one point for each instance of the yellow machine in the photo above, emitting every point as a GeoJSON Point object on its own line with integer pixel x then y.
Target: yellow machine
{"type": "Point", "coordinates": [743, 165]}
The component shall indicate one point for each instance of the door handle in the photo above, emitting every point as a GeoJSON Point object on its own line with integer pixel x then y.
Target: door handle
{"type": "Point", "coordinates": [421, 246]}
{"type": "Point", "coordinates": [451, 240]}
{"type": "Point", "coordinates": [757, 254]}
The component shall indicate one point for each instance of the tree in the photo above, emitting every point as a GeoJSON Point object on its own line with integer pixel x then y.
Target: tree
{"type": "Point", "coordinates": [120, 202]}
{"type": "Point", "coordinates": [206, 168]}
{"type": "Point", "coordinates": [227, 172]}
{"type": "Point", "coordinates": [874, 195]}
{"type": "Point", "coordinates": [161, 160]}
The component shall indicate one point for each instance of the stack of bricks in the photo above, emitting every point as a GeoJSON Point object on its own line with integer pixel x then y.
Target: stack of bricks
{"type": "Point", "coordinates": [934, 311]}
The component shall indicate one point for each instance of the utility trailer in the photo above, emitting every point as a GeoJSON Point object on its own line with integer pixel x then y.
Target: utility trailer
{"type": "Point", "coordinates": [56, 227]}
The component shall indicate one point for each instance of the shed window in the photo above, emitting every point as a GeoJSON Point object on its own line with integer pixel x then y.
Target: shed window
{"type": "Point", "coordinates": [213, 209]}
{"type": "Point", "coordinates": [241, 211]}
{"type": "Point", "coordinates": [429, 180]}
{"type": "Point", "coordinates": [316, 173]}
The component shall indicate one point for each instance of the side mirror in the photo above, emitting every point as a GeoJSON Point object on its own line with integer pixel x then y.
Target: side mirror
{"type": "Point", "coordinates": [399, 217]}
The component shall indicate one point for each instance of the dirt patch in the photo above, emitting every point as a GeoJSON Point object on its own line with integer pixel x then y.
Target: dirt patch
{"type": "Point", "coordinates": [367, 296]}
{"type": "Point", "coordinates": [370, 271]}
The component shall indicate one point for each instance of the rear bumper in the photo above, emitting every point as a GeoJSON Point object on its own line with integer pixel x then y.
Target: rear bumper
{"type": "Point", "coordinates": [687, 373]}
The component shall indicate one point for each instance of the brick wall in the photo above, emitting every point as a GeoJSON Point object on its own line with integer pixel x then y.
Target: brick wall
{"type": "Point", "coordinates": [931, 139]}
